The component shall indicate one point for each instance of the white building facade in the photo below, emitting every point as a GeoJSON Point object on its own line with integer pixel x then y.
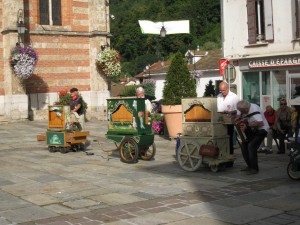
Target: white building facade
{"type": "Point", "coordinates": [261, 39]}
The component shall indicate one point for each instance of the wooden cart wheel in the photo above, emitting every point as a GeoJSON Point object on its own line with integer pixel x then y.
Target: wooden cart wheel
{"type": "Point", "coordinates": [188, 156]}
{"type": "Point", "coordinates": [129, 150]}
{"type": "Point", "coordinates": [214, 168]}
{"type": "Point", "coordinates": [148, 153]}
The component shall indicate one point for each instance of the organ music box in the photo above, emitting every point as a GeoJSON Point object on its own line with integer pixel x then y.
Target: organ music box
{"type": "Point", "coordinates": [200, 118]}
{"type": "Point", "coordinates": [128, 115]}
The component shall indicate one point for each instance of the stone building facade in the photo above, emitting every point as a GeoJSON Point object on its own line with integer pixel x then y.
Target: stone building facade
{"type": "Point", "coordinates": [67, 44]}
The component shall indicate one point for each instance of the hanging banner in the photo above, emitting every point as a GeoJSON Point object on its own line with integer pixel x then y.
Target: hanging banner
{"type": "Point", "coordinates": [222, 65]}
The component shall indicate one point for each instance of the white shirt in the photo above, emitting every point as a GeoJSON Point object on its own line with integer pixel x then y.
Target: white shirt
{"type": "Point", "coordinates": [258, 117]}
{"type": "Point", "coordinates": [148, 105]}
{"type": "Point", "coordinates": [228, 103]}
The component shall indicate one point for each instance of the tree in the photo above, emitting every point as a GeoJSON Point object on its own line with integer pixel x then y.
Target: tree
{"type": "Point", "coordinates": [209, 89]}
{"type": "Point", "coordinates": [179, 83]}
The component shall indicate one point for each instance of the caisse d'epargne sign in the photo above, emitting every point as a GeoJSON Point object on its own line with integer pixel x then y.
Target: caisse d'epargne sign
{"type": "Point", "coordinates": [275, 62]}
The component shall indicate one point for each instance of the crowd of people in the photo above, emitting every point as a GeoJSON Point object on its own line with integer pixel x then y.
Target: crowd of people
{"type": "Point", "coordinates": [256, 125]}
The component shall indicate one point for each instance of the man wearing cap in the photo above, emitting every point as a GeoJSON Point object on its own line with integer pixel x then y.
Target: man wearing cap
{"type": "Point", "coordinates": [76, 107]}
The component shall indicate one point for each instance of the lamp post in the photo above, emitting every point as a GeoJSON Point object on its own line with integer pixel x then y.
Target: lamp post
{"type": "Point", "coordinates": [163, 31]}
{"type": "Point", "coordinates": [20, 26]}
{"type": "Point", "coordinates": [103, 47]}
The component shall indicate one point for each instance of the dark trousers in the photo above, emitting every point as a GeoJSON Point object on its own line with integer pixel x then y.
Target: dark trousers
{"type": "Point", "coordinates": [249, 149]}
{"type": "Point", "coordinates": [230, 132]}
{"type": "Point", "coordinates": [282, 137]}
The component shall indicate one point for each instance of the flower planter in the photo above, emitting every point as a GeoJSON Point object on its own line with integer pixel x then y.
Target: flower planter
{"type": "Point", "coordinates": [173, 119]}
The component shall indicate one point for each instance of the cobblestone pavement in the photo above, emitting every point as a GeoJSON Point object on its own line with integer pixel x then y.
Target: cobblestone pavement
{"type": "Point", "coordinates": [39, 187]}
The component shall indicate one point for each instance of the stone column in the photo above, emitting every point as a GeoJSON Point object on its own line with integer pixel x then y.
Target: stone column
{"type": "Point", "coordinates": [15, 100]}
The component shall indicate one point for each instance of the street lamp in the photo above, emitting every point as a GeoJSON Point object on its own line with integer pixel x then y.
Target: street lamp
{"type": "Point", "coordinates": [163, 31]}
{"type": "Point", "coordinates": [20, 26]}
{"type": "Point", "coordinates": [103, 47]}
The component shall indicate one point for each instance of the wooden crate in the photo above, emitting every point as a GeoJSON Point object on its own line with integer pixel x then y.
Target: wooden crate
{"type": "Point", "coordinates": [41, 137]}
{"type": "Point", "coordinates": [57, 116]}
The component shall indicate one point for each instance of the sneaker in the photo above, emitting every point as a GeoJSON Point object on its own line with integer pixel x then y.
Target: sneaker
{"type": "Point", "coordinates": [245, 168]}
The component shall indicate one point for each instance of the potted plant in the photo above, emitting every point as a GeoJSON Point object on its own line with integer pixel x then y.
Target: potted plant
{"type": "Point", "coordinates": [179, 84]}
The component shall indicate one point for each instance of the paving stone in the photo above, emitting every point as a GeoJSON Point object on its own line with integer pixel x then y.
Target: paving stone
{"type": "Point", "coordinates": [283, 203]}
{"type": "Point", "coordinates": [41, 199]}
{"type": "Point", "coordinates": [278, 220]}
{"type": "Point", "coordinates": [26, 214]}
{"type": "Point", "coordinates": [197, 221]}
{"type": "Point", "coordinates": [159, 218]}
{"type": "Point", "coordinates": [62, 210]}
{"type": "Point", "coordinates": [200, 209]}
{"type": "Point", "coordinates": [244, 214]}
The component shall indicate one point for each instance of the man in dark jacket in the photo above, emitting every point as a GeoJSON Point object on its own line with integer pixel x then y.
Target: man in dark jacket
{"type": "Point", "coordinates": [76, 107]}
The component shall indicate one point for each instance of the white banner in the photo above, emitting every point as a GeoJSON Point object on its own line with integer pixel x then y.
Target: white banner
{"type": "Point", "coordinates": [172, 27]}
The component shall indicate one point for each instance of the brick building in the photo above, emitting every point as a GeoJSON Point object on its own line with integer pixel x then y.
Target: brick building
{"type": "Point", "coordinates": [67, 35]}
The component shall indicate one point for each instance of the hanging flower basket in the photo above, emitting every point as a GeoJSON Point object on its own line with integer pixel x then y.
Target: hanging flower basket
{"type": "Point", "coordinates": [23, 61]}
{"type": "Point", "coordinates": [108, 61]}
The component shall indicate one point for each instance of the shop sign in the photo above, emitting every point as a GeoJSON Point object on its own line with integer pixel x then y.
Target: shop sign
{"type": "Point", "coordinates": [274, 62]}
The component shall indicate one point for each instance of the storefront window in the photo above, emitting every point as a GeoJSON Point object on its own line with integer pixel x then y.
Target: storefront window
{"type": "Point", "coordinates": [279, 87]}
{"type": "Point", "coordinates": [251, 87]}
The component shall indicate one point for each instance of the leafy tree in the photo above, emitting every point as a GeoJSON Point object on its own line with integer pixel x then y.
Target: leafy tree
{"type": "Point", "coordinates": [179, 83]}
{"type": "Point", "coordinates": [209, 89]}
{"type": "Point", "coordinates": [127, 38]}
{"type": "Point", "coordinates": [149, 87]}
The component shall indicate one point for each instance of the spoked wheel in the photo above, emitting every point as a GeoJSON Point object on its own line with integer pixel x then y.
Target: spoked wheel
{"type": "Point", "coordinates": [129, 150]}
{"type": "Point", "coordinates": [148, 153]}
{"type": "Point", "coordinates": [293, 171]}
{"type": "Point", "coordinates": [188, 156]}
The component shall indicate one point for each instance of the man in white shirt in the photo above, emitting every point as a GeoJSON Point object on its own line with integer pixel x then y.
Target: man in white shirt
{"type": "Point", "coordinates": [140, 93]}
{"type": "Point", "coordinates": [255, 126]}
{"type": "Point", "coordinates": [226, 103]}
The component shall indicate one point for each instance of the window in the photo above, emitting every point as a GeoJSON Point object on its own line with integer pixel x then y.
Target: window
{"type": "Point", "coordinates": [297, 8]}
{"type": "Point", "coordinates": [260, 21]}
{"type": "Point", "coordinates": [50, 12]}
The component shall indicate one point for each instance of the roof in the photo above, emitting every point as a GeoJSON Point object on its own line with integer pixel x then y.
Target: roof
{"type": "Point", "coordinates": [156, 68]}
{"type": "Point", "coordinates": [208, 62]}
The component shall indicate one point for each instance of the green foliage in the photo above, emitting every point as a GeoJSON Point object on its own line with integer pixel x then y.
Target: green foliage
{"type": "Point", "coordinates": [209, 89]}
{"type": "Point", "coordinates": [179, 83]}
{"type": "Point", "coordinates": [139, 49]}
{"type": "Point", "coordinates": [149, 87]}
{"type": "Point", "coordinates": [129, 91]}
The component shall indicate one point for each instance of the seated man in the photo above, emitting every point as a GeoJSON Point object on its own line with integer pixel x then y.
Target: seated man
{"type": "Point", "coordinates": [270, 115]}
{"type": "Point", "coordinates": [283, 124]}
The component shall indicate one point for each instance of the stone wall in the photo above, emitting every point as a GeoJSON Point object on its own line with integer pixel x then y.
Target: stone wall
{"type": "Point", "coordinates": [66, 53]}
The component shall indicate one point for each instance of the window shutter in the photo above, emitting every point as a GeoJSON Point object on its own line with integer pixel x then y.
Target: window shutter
{"type": "Point", "coordinates": [56, 12]}
{"type": "Point", "coordinates": [268, 11]}
{"type": "Point", "coordinates": [297, 2]}
{"type": "Point", "coordinates": [251, 13]}
{"type": "Point", "coordinates": [44, 13]}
